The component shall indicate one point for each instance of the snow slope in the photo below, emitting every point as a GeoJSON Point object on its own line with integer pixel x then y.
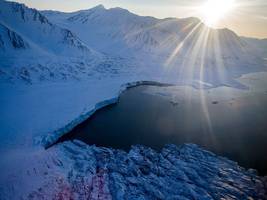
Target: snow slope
{"type": "Point", "coordinates": [36, 28]}
{"type": "Point", "coordinates": [259, 45]}
{"type": "Point", "coordinates": [117, 28]}
{"type": "Point", "coordinates": [184, 48]}
{"type": "Point", "coordinates": [67, 46]}
{"type": "Point", "coordinates": [73, 66]}
{"type": "Point", "coordinates": [33, 49]}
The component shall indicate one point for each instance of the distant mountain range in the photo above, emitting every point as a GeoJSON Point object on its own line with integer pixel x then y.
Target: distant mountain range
{"type": "Point", "coordinates": [104, 29]}
{"type": "Point", "coordinates": [44, 45]}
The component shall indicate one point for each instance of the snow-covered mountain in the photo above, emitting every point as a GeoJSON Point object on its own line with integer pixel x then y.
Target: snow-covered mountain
{"type": "Point", "coordinates": [38, 30]}
{"type": "Point", "coordinates": [60, 45]}
{"type": "Point", "coordinates": [258, 45]}
{"type": "Point", "coordinates": [32, 48]}
{"type": "Point", "coordinates": [186, 47]}
{"type": "Point", "coordinates": [117, 28]}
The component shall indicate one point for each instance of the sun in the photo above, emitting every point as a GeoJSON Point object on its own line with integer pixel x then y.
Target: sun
{"type": "Point", "coordinates": [213, 11]}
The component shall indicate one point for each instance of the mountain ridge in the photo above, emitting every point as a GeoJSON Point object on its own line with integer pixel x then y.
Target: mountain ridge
{"type": "Point", "coordinates": [138, 32]}
{"type": "Point", "coordinates": [184, 47]}
{"type": "Point", "coordinates": [32, 25]}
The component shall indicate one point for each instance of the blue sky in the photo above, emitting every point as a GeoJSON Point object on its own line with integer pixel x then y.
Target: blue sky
{"type": "Point", "coordinates": [248, 19]}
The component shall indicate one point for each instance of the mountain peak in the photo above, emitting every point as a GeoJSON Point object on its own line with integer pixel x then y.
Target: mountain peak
{"type": "Point", "coordinates": [119, 9]}
{"type": "Point", "coordinates": [99, 7]}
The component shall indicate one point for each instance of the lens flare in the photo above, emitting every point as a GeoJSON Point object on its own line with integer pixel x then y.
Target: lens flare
{"type": "Point", "coordinates": [215, 10]}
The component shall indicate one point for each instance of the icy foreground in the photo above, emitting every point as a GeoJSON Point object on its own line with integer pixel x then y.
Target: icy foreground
{"type": "Point", "coordinates": [74, 170]}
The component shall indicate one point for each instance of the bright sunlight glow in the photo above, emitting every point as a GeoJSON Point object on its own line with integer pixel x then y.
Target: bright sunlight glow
{"type": "Point", "coordinates": [215, 10]}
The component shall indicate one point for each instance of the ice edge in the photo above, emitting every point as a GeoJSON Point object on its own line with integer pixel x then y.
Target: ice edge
{"type": "Point", "coordinates": [48, 140]}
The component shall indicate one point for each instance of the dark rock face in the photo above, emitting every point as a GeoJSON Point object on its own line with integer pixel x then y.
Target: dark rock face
{"type": "Point", "coordinates": [1, 42]}
{"type": "Point", "coordinates": [70, 39]}
{"type": "Point", "coordinates": [22, 9]}
{"type": "Point", "coordinates": [10, 37]}
{"type": "Point", "coordinates": [16, 40]}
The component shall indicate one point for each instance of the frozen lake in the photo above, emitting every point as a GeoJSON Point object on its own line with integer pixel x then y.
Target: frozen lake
{"type": "Point", "coordinates": [227, 121]}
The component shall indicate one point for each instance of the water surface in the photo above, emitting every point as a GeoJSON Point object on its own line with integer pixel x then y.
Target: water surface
{"type": "Point", "coordinates": [227, 121]}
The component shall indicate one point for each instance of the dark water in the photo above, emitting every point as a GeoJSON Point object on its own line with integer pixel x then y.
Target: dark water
{"type": "Point", "coordinates": [235, 128]}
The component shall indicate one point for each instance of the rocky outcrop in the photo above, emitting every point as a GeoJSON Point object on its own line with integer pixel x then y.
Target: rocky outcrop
{"type": "Point", "coordinates": [10, 39]}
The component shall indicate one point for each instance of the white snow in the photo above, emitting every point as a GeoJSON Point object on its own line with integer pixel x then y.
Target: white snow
{"type": "Point", "coordinates": [66, 73]}
{"type": "Point", "coordinates": [41, 113]}
{"type": "Point", "coordinates": [75, 170]}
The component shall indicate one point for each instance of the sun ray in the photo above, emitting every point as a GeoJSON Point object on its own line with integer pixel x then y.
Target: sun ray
{"type": "Point", "coordinates": [180, 45]}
